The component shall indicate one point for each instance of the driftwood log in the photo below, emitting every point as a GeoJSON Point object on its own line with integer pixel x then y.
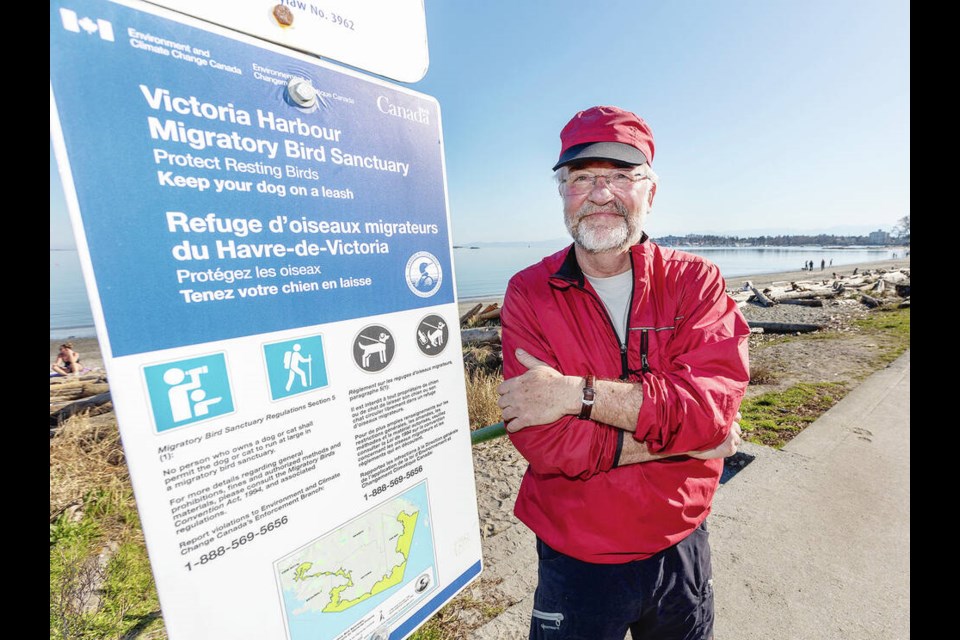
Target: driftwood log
{"type": "Point", "coordinates": [812, 294]}
{"type": "Point", "coordinates": [895, 277]}
{"type": "Point", "coordinates": [803, 302]}
{"type": "Point", "coordinates": [72, 409]}
{"type": "Point", "coordinates": [480, 335]}
{"type": "Point", "coordinates": [880, 284]}
{"type": "Point", "coordinates": [469, 314]}
{"type": "Point", "coordinates": [785, 327]}
{"type": "Point", "coordinates": [490, 312]}
{"type": "Point", "coordinates": [759, 295]}
{"type": "Point", "coordinates": [74, 379]}
{"type": "Point", "coordinates": [67, 392]}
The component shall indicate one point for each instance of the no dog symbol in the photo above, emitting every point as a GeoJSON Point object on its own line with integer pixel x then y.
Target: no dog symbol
{"type": "Point", "coordinates": [432, 335]}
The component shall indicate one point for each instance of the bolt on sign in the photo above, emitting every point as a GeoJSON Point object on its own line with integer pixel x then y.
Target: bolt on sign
{"type": "Point", "coordinates": [385, 37]}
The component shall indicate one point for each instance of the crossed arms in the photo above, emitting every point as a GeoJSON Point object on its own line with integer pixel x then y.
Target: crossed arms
{"type": "Point", "coordinates": [688, 406]}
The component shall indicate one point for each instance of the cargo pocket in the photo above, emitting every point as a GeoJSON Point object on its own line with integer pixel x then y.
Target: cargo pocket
{"type": "Point", "coordinates": [704, 572]}
{"type": "Point", "coordinates": [547, 621]}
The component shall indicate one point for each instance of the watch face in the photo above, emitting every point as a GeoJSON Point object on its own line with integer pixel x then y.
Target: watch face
{"type": "Point", "coordinates": [588, 391]}
{"type": "Point", "coordinates": [586, 398]}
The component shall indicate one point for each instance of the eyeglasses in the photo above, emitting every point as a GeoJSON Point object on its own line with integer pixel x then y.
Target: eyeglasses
{"type": "Point", "coordinates": [584, 182]}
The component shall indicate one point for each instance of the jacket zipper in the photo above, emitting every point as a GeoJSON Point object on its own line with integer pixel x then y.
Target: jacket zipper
{"type": "Point", "coordinates": [624, 364]}
{"type": "Point", "coordinates": [644, 337]}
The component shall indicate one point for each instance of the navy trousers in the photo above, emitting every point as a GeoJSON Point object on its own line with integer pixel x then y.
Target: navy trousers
{"type": "Point", "coordinates": [668, 596]}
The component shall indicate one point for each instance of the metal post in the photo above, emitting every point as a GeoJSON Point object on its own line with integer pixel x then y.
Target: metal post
{"type": "Point", "coordinates": [487, 433]}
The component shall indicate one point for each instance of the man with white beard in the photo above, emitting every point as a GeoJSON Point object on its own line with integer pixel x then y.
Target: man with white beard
{"type": "Point", "coordinates": [624, 366]}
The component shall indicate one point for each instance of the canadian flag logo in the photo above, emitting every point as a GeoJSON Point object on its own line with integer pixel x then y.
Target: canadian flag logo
{"type": "Point", "coordinates": [72, 22]}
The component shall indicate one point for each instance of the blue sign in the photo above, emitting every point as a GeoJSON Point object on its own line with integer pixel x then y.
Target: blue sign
{"type": "Point", "coordinates": [216, 203]}
{"type": "Point", "coordinates": [188, 391]}
{"type": "Point", "coordinates": [295, 366]}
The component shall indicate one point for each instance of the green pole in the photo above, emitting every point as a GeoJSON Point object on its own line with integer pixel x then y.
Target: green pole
{"type": "Point", "coordinates": [487, 433]}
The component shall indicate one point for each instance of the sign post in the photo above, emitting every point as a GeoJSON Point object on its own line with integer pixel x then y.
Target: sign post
{"type": "Point", "coordinates": [265, 239]}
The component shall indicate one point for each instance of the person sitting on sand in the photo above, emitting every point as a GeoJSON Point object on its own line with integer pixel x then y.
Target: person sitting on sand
{"type": "Point", "coordinates": [68, 360]}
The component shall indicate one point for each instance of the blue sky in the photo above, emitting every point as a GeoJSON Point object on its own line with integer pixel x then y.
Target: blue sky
{"type": "Point", "coordinates": [769, 116]}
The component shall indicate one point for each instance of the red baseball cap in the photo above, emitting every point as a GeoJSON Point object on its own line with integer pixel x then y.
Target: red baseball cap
{"type": "Point", "coordinates": [606, 133]}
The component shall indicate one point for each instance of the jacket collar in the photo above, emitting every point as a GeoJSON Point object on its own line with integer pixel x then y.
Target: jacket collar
{"type": "Point", "coordinates": [570, 271]}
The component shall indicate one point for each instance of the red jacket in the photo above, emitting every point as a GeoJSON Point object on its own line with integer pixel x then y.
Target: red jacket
{"type": "Point", "coordinates": [687, 346]}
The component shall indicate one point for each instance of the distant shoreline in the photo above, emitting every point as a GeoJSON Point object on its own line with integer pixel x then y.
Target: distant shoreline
{"type": "Point", "coordinates": [89, 346]}
{"type": "Point", "coordinates": [742, 244]}
{"type": "Point", "coordinates": [70, 333]}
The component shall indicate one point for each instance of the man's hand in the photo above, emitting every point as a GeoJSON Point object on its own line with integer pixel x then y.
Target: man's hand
{"type": "Point", "coordinates": [541, 395]}
{"type": "Point", "coordinates": [634, 451]}
{"type": "Point", "coordinates": [726, 448]}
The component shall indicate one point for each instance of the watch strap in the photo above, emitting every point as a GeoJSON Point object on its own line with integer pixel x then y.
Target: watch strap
{"type": "Point", "coordinates": [588, 395]}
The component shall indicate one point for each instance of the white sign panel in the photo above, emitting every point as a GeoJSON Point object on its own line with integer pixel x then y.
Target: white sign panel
{"type": "Point", "coordinates": [265, 238]}
{"type": "Point", "coordinates": [386, 37]}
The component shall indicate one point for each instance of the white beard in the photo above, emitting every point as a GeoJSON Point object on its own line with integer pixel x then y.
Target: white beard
{"type": "Point", "coordinates": [595, 237]}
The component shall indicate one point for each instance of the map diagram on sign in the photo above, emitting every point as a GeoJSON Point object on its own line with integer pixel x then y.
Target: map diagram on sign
{"type": "Point", "coordinates": [359, 569]}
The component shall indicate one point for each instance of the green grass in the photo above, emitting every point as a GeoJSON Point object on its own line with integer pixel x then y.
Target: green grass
{"type": "Point", "coordinates": [429, 631]}
{"type": "Point", "coordinates": [894, 326]}
{"type": "Point", "coordinates": [773, 419]}
{"type": "Point", "coordinates": [101, 581]}
{"type": "Point", "coordinates": [447, 623]}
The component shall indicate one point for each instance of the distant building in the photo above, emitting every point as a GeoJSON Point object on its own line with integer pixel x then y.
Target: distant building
{"type": "Point", "coordinates": [879, 237]}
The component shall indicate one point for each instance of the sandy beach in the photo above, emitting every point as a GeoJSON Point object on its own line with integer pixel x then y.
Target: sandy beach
{"type": "Point", "coordinates": [89, 348]}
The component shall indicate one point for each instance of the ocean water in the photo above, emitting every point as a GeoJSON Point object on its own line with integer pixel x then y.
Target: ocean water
{"type": "Point", "coordinates": [484, 272]}
{"type": "Point", "coordinates": [70, 314]}
{"type": "Point", "coordinates": [479, 272]}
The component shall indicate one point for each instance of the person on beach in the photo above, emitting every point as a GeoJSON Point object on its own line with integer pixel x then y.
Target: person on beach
{"type": "Point", "coordinates": [68, 360]}
{"type": "Point", "coordinates": [624, 367]}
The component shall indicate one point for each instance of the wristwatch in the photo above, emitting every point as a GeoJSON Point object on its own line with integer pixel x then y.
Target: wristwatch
{"type": "Point", "coordinates": [587, 397]}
